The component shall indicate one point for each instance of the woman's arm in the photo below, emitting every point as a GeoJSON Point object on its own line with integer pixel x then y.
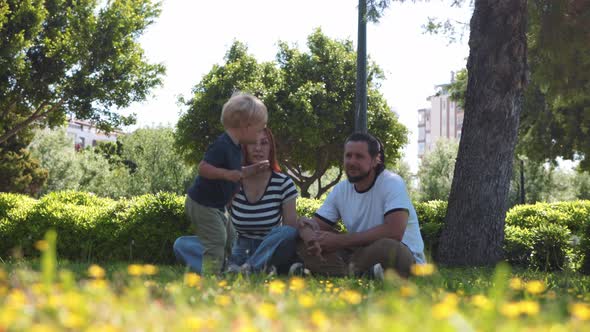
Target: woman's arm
{"type": "Point", "coordinates": [290, 213]}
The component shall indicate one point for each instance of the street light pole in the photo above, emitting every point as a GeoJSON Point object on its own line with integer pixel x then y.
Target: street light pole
{"type": "Point", "coordinates": [360, 115]}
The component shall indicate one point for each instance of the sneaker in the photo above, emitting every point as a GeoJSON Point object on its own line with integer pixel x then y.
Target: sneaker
{"type": "Point", "coordinates": [296, 269]}
{"type": "Point", "coordinates": [271, 271]}
{"type": "Point", "coordinates": [376, 272]}
{"type": "Point", "coordinates": [233, 269]}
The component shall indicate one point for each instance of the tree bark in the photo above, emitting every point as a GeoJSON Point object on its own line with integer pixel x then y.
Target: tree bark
{"type": "Point", "coordinates": [474, 224]}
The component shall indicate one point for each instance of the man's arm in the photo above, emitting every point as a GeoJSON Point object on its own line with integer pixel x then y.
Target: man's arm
{"type": "Point", "coordinates": [393, 227]}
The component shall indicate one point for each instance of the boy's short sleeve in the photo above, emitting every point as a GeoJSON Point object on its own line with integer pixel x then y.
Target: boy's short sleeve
{"type": "Point", "coordinates": [215, 154]}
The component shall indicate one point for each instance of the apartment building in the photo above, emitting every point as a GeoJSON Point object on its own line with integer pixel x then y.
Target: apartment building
{"type": "Point", "coordinates": [443, 119]}
{"type": "Point", "coordinates": [84, 134]}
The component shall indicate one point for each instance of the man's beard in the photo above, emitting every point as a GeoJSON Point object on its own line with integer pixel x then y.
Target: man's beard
{"type": "Point", "coordinates": [355, 179]}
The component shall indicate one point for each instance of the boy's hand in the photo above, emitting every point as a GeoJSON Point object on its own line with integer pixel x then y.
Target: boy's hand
{"type": "Point", "coordinates": [255, 168]}
{"type": "Point", "coordinates": [233, 175]}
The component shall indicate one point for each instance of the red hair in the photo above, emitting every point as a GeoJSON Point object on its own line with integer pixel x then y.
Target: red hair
{"type": "Point", "coordinates": [272, 155]}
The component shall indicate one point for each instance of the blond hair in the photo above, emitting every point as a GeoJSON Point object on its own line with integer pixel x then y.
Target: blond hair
{"type": "Point", "coordinates": [241, 110]}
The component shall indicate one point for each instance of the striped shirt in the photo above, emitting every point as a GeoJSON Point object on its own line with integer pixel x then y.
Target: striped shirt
{"type": "Point", "coordinates": [255, 220]}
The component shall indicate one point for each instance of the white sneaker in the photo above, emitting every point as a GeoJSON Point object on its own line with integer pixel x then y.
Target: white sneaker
{"type": "Point", "coordinates": [296, 269]}
{"type": "Point", "coordinates": [377, 272]}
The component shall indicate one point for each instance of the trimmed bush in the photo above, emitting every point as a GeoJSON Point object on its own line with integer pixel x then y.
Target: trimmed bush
{"type": "Point", "coordinates": [585, 249]}
{"type": "Point", "coordinates": [551, 244]}
{"type": "Point", "coordinates": [518, 245]}
{"type": "Point", "coordinates": [431, 212]}
{"type": "Point", "coordinates": [14, 210]}
{"type": "Point", "coordinates": [431, 234]}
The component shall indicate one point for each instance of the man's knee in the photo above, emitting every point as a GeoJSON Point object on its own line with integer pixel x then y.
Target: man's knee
{"type": "Point", "coordinates": [393, 254]}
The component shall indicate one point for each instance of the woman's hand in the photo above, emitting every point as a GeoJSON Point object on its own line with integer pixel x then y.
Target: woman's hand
{"type": "Point", "coordinates": [255, 168]}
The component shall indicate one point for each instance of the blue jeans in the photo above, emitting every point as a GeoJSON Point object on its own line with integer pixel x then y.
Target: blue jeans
{"type": "Point", "coordinates": [278, 248]}
{"type": "Point", "coordinates": [189, 250]}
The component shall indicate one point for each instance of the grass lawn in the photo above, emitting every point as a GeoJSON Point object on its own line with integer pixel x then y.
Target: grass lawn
{"type": "Point", "coordinates": [50, 295]}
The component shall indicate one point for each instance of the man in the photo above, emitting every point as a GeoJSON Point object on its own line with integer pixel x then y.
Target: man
{"type": "Point", "coordinates": [374, 205]}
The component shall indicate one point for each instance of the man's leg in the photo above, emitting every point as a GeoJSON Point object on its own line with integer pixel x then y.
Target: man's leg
{"type": "Point", "coordinates": [333, 264]}
{"type": "Point", "coordinates": [189, 250]}
{"type": "Point", "coordinates": [210, 227]}
{"type": "Point", "coordinates": [391, 254]}
{"type": "Point", "coordinates": [277, 248]}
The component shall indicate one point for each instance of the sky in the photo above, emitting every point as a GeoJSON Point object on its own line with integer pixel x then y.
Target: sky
{"type": "Point", "coordinates": [191, 36]}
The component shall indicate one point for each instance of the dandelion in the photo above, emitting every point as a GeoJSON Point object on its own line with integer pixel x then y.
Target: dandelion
{"type": "Point", "coordinates": [530, 308]}
{"type": "Point", "coordinates": [193, 323]}
{"type": "Point", "coordinates": [192, 279]}
{"type": "Point", "coordinates": [305, 300]}
{"type": "Point", "coordinates": [443, 310]}
{"type": "Point", "coordinates": [422, 270]}
{"type": "Point", "coordinates": [352, 297]}
{"type": "Point", "coordinates": [149, 269]}
{"type": "Point", "coordinates": [41, 245]}
{"type": "Point", "coordinates": [267, 310]}
{"type": "Point", "coordinates": [407, 291]}
{"type": "Point", "coordinates": [16, 299]}
{"type": "Point", "coordinates": [96, 271]}
{"type": "Point", "coordinates": [42, 328]}
{"type": "Point", "coordinates": [516, 284]}
{"type": "Point", "coordinates": [222, 283]}
{"type": "Point", "coordinates": [510, 310]}
{"type": "Point", "coordinates": [134, 270]}
{"type": "Point", "coordinates": [102, 328]}
{"type": "Point", "coordinates": [535, 287]}
{"type": "Point", "coordinates": [481, 302]}
{"type": "Point", "coordinates": [276, 287]}
{"type": "Point", "coordinates": [98, 284]}
{"type": "Point", "coordinates": [318, 318]}
{"type": "Point", "coordinates": [296, 284]}
{"type": "Point", "coordinates": [2, 275]}
{"type": "Point", "coordinates": [580, 311]}
{"type": "Point", "coordinates": [223, 300]}
{"type": "Point", "coordinates": [72, 320]}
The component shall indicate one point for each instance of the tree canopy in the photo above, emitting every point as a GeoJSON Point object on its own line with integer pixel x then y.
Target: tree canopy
{"type": "Point", "coordinates": [310, 98]}
{"type": "Point", "coordinates": [80, 58]}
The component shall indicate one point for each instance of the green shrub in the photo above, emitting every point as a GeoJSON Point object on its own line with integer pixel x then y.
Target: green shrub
{"type": "Point", "coordinates": [518, 245]}
{"type": "Point", "coordinates": [551, 244]}
{"type": "Point", "coordinates": [431, 235]}
{"type": "Point", "coordinates": [306, 207]}
{"type": "Point", "coordinates": [572, 215]}
{"type": "Point", "coordinates": [14, 210]}
{"type": "Point", "coordinates": [431, 211]}
{"type": "Point", "coordinates": [584, 249]}
{"type": "Point", "coordinates": [149, 226]}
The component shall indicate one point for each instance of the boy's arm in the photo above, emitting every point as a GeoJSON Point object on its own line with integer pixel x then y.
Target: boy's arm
{"type": "Point", "coordinates": [209, 171]}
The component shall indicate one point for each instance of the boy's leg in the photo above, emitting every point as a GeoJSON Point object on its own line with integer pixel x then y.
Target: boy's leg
{"type": "Point", "coordinates": [332, 264]}
{"type": "Point", "coordinates": [277, 248]}
{"type": "Point", "coordinates": [189, 250]}
{"type": "Point", "coordinates": [391, 254]}
{"type": "Point", "coordinates": [210, 227]}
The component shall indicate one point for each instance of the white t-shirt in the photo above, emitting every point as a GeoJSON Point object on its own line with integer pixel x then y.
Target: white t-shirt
{"type": "Point", "coordinates": [361, 211]}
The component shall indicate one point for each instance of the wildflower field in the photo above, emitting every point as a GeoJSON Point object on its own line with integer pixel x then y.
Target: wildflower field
{"type": "Point", "coordinates": [51, 295]}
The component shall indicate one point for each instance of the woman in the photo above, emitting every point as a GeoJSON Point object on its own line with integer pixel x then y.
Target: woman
{"type": "Point", "coordinates": [263, 214]}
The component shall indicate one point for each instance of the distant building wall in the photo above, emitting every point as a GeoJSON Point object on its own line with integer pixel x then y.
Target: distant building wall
{"type": "Point", "coordinates": [86, 134]}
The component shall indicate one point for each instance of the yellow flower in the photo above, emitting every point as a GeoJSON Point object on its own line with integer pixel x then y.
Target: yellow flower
{"type": "Point", "coordinates": [16, 299]}
{"type": "Point", "coordinates": [2, 275]}
{"type": "Point", "coordinates": [41, 245]}
{"type": "Point", "coordinates": [223, 300]}
{"type": "Point", "coordinates": [134, 270]}
{"type": "Point", "coordinates": [96, 271]}
{"type": "Point", "coordinates": [530, 308]}
{"type": "Point", "coordinates": [72, 320]}
{"type": "Point", "coordinates": [276, 287]}
{"type": "Point", "coordinates": [422, 269]}
{"type": "Point", "coordinates": [481, 302]}
{"type": "Point", "coordinates": [3, 290]}
{"type": "Point", "coordinates": [296, 284]}
{"type": "Point", "coordinates": [407, 291]}
{"type": "Point", "coordinates": [318, 318]}
{"type": "Point", "coordinates": [8, 316]}
{"type": "Point", "coordinates": [306, 300]}
{"type": "Point", "coordinates": [443, 310]}
{"type": "Point", "coordinates": [193, 323]}
{"type": "Point", "coordinates": [267, 310]}
{"type": "Point", "coordinates": [102, 328]}
{"type": "Point", "coordinates": [535, 287]}
{"type": "Point", "coordinates": [222, 283]}
{"type": "Point", "coordinates": [98, 284]}
{"type": "Point", "coordinates": [580, 311]}
{"type": "Point", "coordinates": [510, 310]}
{"type": "Point", "coordinates": [149, 269]}
{"type": "Point", "coordinates": [516, 283]}
{"type": "Point", "coordinates": [352, 297]}
{"type": "Point", "coordinates": [192, 279]}
{"type": "Point", "coordinates": [42, 328]}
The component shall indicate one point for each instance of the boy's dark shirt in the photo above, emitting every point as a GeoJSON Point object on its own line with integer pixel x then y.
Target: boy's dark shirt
{"type": "Point", "coordinates": [222, 153]}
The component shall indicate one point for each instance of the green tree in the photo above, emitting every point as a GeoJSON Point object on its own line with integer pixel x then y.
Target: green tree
{"type": "Point", "coordinates": [310, 98]}
{"type": "Point", "coordinates": [158, 167]}
{"type": "Point", "coordinates": [435, 174]}
{"type": "Point", "coordinates": [80, 58]}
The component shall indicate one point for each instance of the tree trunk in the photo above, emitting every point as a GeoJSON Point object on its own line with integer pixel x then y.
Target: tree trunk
{"type": "Point", "coordinates": [474, 224]}
{"type": "Point", "coordinates": [360, 114]}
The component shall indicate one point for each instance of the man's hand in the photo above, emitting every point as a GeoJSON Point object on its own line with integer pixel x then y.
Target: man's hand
{"type": "Point", "coordinates": [328, 241]}
{"type": "Point", "coordinates": [255, 168]}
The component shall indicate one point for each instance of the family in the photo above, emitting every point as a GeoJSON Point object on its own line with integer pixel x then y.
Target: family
{"type": "Point", "coordinates": [243, 209]}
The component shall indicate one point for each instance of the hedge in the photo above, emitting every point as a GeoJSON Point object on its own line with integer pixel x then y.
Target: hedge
{"type": "Point", "coordinates": [544, 236]}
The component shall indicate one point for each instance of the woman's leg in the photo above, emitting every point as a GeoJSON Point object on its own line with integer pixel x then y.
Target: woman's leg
{"type": "Point", "coordinates": [277, 248]}
{"type": "Point", "coordinates": [189, 250]}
